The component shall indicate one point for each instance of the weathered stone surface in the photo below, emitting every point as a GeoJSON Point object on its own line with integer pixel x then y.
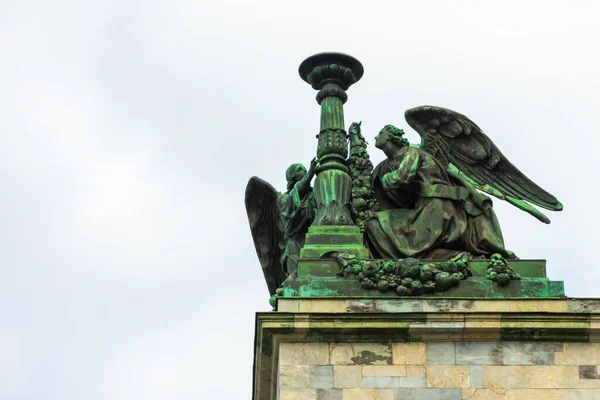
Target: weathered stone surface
{"type": "Point", "coordinates": [384, 305]}
{"type": "Point", "coordinates": [409, 353]}
{"type": "Point", "coordinates": [347, 376]}
{"type": "Point", "coordinates": [544, 327]}
{"type": "Point", "coordinates": [428, 394]}
{"type": "Point", "coordinates": [583, 306]}
{"type": "Point", "coordinates": [393, 381]}
{"type": "Point", "coordinates": [391, 304]}
{"type": "Point", "coordinates": [532, 394]}
{"type": "Point", "coordinates": [288, 305]}
{"type": "Point", "coordinates": [524, 353]}
{"type": "Point", "coordinates": [453, 305]}
{"type": "Point", "coordinates": [305, 376]}
{"type": "Point", "coordinates": [591, 383]}
{"type": "Point", "coordinates": [594, 329]}
{"type": "Point", "coordinates": [322, 376]}
{"type": "Point", "coordinates": [482, 327]}
{"type": "Point", "coordinates": [329, 394]}
{"type": "Point", "coordinates": [588, 372]}
{"type": "Point", "coordinates": [294, 377]}
{"type": "Point", "coordinates": [447, 376]}
{"type": "Point", "coordinates": [578, 394]}
{"type": "Point", "coordinates": [435, 333]}
{"type": "Point", "coordinates": [312, 343]}
{"type": "Point", "coordinates": [491, 321]}
{"type": "Point", "coordinates": [321, 305]}
{"type": "Point", "coordinates": [484, 394]}
{"type": "Point", "coordinates": [537, 305]}
{"type": "Point", "coordinates": [371, 394]}
{"type": "Point", "coordinates": [476, 376]}
{"type": "Point", "coordinates": [384, 370]}
{"type": "Point", "coordinates": [415, 370]}
{"type": "Point", "coordinates": [578, 354]}
{"type": "Point", "coordinates": [301, 321]}
{"type": "Point", "coordinates": [290, 394]}
{"type": "Point", "coordinates": [531, 376]}
{"type": "Point", "coordinates": [264, 386]}
{"type": "Point", "coordinates": [479, 353]}
{"type": "Point", "coordinates": [303, 353]}
{"type": "Point", "coordinates": [361, 353]}
{"type": "Point", "coordinates": [505, 377]}
{"type": "Point", "coordinates": [441, 353]}
{"type": "Point", "coordinates": [439, 328]}
{"type": "Point", "coordinates": [554, 377]}
{"type": "Point", "coordinates": [448, 321]}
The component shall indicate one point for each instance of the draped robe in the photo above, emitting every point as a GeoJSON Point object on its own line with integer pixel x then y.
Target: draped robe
{"type": "Point", "coordinates": [297, 214]}
{"type": "Point", "coordinates": [428, 212]}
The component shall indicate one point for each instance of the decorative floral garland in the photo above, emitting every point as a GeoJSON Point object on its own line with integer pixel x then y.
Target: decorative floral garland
{"type": "Point", "coordinates": [499, 271]}
{"type": "Point", "coordinates": [407, 277]}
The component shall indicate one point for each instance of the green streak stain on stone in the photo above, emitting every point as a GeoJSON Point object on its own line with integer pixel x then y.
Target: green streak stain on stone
{"type": "Point", "coordinates": [266, 341]}
{"type": "Point", "coordinates": [556, 324]}
{"type": "Point", "coordinates": [556, 328]}
{"type": "Point", "coordinates": [363, 327]}
{"type": "Point", "coordinates": [545, 335]}
{"type": "Point", "coordinates": [398, 335]}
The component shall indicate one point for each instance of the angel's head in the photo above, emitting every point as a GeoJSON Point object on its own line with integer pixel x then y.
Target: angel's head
{"type": "Point", "coordinates": [390, 134]}
{"type": "Point", "coordinates": [294, 174]}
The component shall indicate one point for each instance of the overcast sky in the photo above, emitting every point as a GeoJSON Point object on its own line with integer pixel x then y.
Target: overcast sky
{"type": "Point", "coordinates": [129, 130]}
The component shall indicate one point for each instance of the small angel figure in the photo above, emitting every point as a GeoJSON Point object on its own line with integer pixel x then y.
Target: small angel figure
{"type": "Point", "coordinates": [279, 221]}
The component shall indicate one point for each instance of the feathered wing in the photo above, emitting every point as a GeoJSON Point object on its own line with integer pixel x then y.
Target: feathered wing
{"type": "Point", "coordinates": [458, 142]}
{"type": "Point", "coordinates": [265, 224]}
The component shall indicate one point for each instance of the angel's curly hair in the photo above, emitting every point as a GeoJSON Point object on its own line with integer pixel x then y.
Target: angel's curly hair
{"type": "Point", "coordinates": [290, 174]}
{"type": "Point", "coordinates": [396, 135]}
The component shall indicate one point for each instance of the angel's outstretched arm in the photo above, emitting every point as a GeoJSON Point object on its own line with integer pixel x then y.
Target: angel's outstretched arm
{"type": "Point", "coordinates": [405, 173]}
{"type": "Point", "coordinates": [304, 184]}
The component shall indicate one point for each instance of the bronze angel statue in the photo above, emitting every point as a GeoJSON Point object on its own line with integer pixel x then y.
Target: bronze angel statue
{"type": "Point", "coordinates": [423, 202]}
{"type": "Point", "coordinates": [427, 205]}
{"type": "Point", "coordinates": [279, 221]}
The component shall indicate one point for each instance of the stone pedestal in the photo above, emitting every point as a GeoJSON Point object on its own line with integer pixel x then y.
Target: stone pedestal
{"type": "Point", "coordinates": [327, 239]}
{"type": "Point", "coordinates": [388, 349]}
{"type": "Point", "coordinates": [330, 340]}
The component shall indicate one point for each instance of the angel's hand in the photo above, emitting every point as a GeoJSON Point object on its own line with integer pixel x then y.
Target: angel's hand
{"type": "Point", "coordinates": [314, 164]}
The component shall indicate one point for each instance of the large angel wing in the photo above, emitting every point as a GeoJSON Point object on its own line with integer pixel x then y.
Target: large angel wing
{"type": "Point", "coordinates": [457, 141]}
{"type": "Point", "coordinates": [265, 224]}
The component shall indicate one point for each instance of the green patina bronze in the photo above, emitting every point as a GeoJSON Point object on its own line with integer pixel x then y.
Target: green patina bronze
{"type": "Point", "coordinates": [407, 277]}
{"type": "Point", "coordinates": [423, 202]}
{"type": "Point", "coordinates": [332, 74]}
{"type": "Point", "coordinates": [317, 279]}
{"type": "Point", "coordinates": [499, 271]}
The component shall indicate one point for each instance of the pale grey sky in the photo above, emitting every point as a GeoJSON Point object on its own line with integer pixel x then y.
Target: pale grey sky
{"type": "Point", "coordinates": [131, 128]}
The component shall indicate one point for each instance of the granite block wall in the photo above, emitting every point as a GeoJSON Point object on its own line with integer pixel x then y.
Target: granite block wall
{"type": "Point", "coordinates": [438, 370]}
